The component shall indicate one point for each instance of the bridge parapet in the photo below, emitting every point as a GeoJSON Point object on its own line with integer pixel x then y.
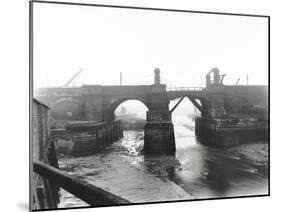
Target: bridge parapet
{"type": "Point", "coordinates": [196, 92]}
{"type": "Point", "coordinates": [57, 92]}
{"type": "Point", "coordinates": [185, 89]}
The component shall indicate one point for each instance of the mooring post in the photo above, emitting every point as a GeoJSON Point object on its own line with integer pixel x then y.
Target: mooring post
{"type": "Point", "coordinates": [196, 126]}
{"type": "Point", "coordinates": [107, 134]}
{"type": "Point", "coordinates": [111, 133]}
{"type": "Point", "coordinates": [102, 138]}
{"type": "Point", "coordinates": [118, 130]}
{"type": "Point", "coordinates": [122, 130]}
{"type": "Point", "coordinates": [114, 132]}
{"type": "Point", "coordinates": [98, 139]}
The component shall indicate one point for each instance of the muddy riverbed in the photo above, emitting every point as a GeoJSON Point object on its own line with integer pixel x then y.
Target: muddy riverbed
{"type": "Point", "coordinates": [196, 172]}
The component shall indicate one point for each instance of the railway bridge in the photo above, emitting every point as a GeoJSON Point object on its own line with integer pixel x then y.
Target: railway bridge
{"type": "Point", "coordinates": [98, 103]}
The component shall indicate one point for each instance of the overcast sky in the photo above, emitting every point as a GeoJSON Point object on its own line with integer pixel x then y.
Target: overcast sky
{"type": "Point", "coordinates": [107, 41]}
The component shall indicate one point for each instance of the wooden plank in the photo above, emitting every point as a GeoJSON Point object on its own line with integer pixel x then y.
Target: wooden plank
{"type": "Point", "coordinates": [89, 193]}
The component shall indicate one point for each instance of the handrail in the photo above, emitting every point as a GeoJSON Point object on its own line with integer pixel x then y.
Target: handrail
{"type": "Point", "coordinates": [89, 193]}
{"type": "Point", "coordinates": [185, 89]}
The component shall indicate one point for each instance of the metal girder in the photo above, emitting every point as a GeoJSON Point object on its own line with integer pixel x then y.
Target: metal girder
{"type": "Point", "coordinates": [196, 104]}
{"type": "Point", "coordinates": [176, 105]}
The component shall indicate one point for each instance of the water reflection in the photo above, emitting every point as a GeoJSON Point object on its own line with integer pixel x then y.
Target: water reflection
{"type": "Point", "coordinates": [208, 172]}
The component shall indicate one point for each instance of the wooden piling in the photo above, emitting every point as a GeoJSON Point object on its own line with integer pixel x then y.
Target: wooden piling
{"type": "Point", "coordinates": [118, 129]}
{"type": "Point", "coordinates": [111, 133]}
{"type": "Point", "coordinates": [98, 139]}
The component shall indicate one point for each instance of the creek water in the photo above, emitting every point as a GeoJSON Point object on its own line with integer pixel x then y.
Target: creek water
{"type": "Point", "coordinates": [196, 171]}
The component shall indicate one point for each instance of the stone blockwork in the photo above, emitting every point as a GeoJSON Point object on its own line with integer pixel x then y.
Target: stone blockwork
{"type": "Point", "coordinates": [233, 101]}
{"type": "Point", "coordinates": [246, 100]}
{"type": "Point", "coordinates": [159, 138]}
{"type": "Point", "coordinates": [236, 114]}
{"type": "Point", "coordinates": [159, 130]}
{"type": "Point", "coordinates": [215, 102]}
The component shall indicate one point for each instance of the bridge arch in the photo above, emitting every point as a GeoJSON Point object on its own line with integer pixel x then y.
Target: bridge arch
{"type": "Point", "coordinates": [67, 108]}
{"type": "Point", "coordinates": [110, 109]}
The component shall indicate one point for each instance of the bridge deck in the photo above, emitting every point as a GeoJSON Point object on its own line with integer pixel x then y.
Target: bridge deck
{"type": "Point", "coordinates": [176, 92]}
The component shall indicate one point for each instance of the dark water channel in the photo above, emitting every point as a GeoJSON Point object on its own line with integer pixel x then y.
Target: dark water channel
{"type": "Point", "coordinates": [195, 172]}
{"type": "Point", "coordinates": [207, 172]}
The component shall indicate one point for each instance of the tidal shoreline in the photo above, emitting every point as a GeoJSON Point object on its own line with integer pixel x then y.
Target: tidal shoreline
{"type": "Point", "coordinates": [196, 172]}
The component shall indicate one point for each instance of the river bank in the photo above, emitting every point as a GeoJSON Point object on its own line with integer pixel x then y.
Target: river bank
{"type": "Point", "coordinates": [196, 172]}
{"type": "Point", "coordinates": [256, 152]}
{"type": "Point", "coordinates": [122, 170]}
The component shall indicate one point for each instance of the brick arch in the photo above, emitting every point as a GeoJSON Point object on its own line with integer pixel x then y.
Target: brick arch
{"type": "Point", "coordinates": [67, 108]}
{"type": "Point", "coordinates": [66, 99]}
{"type": "Point", "coordinates": [108, 114]}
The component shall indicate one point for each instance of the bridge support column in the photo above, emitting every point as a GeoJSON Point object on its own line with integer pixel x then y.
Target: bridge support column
{"type": "Point", "coordinates": [159, 133]}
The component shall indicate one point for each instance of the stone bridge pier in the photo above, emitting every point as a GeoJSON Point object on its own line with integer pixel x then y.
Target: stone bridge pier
{"type": "Point", "coordinates": [159, 135]}
{"type": "Point", "coordinates": [159, 130]}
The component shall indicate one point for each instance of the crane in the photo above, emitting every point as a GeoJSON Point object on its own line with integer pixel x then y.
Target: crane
{"type": "Point", "coordinates": [72, 79]}
{"type": "Point", "coordinates": [237, 81]}
{"type": "Point", "coordinates": [217, 78]}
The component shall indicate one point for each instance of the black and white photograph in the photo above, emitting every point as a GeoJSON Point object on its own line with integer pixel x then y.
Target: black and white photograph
{"type": "Point", "coordinates": [139, 105]}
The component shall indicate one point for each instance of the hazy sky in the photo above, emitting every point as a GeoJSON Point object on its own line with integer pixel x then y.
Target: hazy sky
{"type": "Point", "coordinates": [107, 41]}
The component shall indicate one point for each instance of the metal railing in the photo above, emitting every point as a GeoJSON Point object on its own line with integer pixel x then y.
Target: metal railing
{"type": "Point", "coordinates": [185, 89]}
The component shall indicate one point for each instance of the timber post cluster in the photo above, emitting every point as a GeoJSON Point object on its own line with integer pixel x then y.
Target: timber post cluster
{"type": "Point", "coordinates": [230, 131]}
{"type": "Point", "coordinates": [83, 138]}
{"type": "Point", "coordinates": [206, 130]}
